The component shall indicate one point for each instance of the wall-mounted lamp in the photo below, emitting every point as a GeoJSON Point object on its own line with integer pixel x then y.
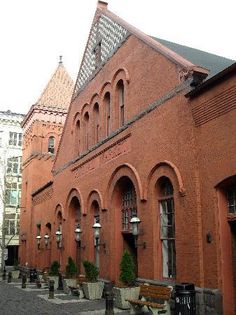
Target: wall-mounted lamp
{"type": "Point", "coordinates": [78, 232]}
{"type": "Point", "coordinates": [97, 227]}
{"type": "Point", "coordinates": [59, 238]}
{"type": "Point", "coordinates": [38, 238]}
{"type": "Point", "coordinates": [46, 239]}
{"type": "Point", "coordinates": [135, 221]}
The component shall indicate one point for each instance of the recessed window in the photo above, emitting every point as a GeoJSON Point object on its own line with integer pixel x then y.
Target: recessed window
{"type": "Point", "coordinates": [121, 102]}
{"type": "Point", "coordinates": [107, 106]}
{"type": "Point", "coordinates": [51, 145]}
{"type": "Point", "coordinates": [129, 206]}
{"type": "Point", "coordinates": [167, 233]}
{"type": "Point", "coordinates": [86, 131]}
{"type": "Point", "coordinates": [98, 53]}
{"type": "Point", "coordinates": [96, 122]}
{"type": "Point", "coordinates": [14, 165]}
{"type": "Point", "coordinates": [231, 199]}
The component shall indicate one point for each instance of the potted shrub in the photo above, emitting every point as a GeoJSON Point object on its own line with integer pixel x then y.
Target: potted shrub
{"type": "Point", "coordinates": [54, 271]}
{"type": "Point", "coordinates": [127, 289]}
{"type": "Point", "coordinates": [92, 288]}
{"type": "Point", "coordinates": [71, 271]}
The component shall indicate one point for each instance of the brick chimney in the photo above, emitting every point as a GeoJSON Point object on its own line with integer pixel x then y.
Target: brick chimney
{"type": "Point", "coordinates": [102, 5]}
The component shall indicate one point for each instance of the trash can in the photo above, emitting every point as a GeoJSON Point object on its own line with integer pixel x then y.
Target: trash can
{"type": "Point", "coordinates": [185, 303]}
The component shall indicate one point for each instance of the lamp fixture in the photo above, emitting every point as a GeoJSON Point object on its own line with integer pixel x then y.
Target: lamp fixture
{"type": "Point", "coordinates": [135, 221]}
{"type": "Point", "coordinates": [78, 233]}
{"type": "Point", "coordinates": [97, 227]}
{"type": "Point", "coordinates": [59, 238]}
{"type": "Point", "coordinates": [38, 238]}
{"type": "Point", "coordinates": [46, 239]}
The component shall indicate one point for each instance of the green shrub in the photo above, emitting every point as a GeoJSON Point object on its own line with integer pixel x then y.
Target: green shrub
{"type": "Point", "coordinates": [127, 269]}
{"type": "Point", "coordinates": [91, 271]}
{"type": "Point", "coordinates": [71, 268]}
{"type": "Point", "coordinates": [54, 268]}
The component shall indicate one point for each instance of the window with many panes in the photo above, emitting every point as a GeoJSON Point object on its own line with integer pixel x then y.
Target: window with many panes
{"type": "Point", "coordinates": [15, 139]}
{"type": "Point", "coordinates": [11, 226]}
{"type": "Point", "coordinates": [14, 165]}
{"type": "Point", "coordinates": [231, 199]}
{"type": "Point", "coordinates": [167, 220]}
{"type": "Point", "coordinates": [129, 207]}
{"type": "Point", "coordinates": [13, 193]}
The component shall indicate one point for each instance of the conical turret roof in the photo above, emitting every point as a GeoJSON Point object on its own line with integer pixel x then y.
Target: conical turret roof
{"type": "Point", "coordinates": [58, 91]}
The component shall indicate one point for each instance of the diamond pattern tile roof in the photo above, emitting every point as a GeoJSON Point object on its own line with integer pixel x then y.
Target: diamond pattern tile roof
{"type": "Point", "coordinates": [58, 91]}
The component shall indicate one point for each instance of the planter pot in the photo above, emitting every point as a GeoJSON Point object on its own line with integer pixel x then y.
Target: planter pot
{"type": "Point", "coordinates": [121, 294]}
{"type": "Point", "coordinates": [93, 290]}
{"type": "Point", "coordinates": [15, 274]}
{"type": "Point", "coordinates": [71, 283]}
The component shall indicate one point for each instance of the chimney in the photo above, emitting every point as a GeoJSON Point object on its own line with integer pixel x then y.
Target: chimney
{"type": "Point", "coordinates": [102, 5]}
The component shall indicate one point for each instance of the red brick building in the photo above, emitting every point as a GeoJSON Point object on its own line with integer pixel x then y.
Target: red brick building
{"type": "Point", "coordinates": [149, 134]}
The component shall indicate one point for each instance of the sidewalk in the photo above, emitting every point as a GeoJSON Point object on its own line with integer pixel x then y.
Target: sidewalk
{"type": "Point", "coordinates": [34, 301]}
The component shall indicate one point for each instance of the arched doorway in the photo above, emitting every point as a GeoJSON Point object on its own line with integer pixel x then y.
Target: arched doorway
{"type": "Point", "coordinates": [126, 203]}
{"type": "Point", "coordinates": [75, 221]}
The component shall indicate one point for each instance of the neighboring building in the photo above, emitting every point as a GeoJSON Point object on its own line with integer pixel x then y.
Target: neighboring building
{"type": "Point", "coordinates": [10, 184]}
{"type": "Point", "coordinates": [149, 134]}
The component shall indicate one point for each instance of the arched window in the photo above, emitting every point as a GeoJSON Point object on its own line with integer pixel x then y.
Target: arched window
{"type": "Point", "coordinates": [51, 145]}
{"type": "Point", "coordinates": [77, 140]}
{"type": "Point", "coordinates": [121, 102]}
{"type": "Point", "coordinates": [107, 107]}
{"type": "Point", "coordinates": [86, 131]}
{"type": "Point", "coordinates": [129, 205]}
{"type": "Point", "coordinates": [96, 122]}
{"type": "Point", "coordinates": [167, 220]}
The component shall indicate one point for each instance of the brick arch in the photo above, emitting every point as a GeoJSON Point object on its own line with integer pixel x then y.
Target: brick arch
{"type": "Point", "coordinates": [105, 88]}
{"type": "Point", "coordinates": [168, 169]}
{"type": "Point", "coordinates": [124, 170]}
{"type": "Point", "coordinates": [94, 99]}
{"type": "Point", "coordinates": [120, 74]}
{"type": "Point", "coordinates": [85, 108]}
{"type": "Point", "coordinates": [75, 193]}
{"type": "Point", "coordinates": [75, 119]}
{"type": "Point", "coordinates": [59, 208]}
{"type": "Point", "coordinates": [225, 181]}
{"type": "Point", "coordinates": [95, 195]}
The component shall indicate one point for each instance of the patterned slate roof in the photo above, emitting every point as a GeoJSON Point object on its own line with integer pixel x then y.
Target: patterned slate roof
{"type": "Point", "coordinates": [212, 62]}
{"type": "Point", "coordinates": [58, 91]}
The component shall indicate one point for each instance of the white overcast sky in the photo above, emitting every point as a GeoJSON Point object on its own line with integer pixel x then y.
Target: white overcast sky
{"type": "Point", "coordinates": [33, 33]}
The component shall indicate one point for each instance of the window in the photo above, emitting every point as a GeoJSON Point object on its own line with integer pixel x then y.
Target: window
{"type": "Point", "coordinates": [86, 131]}
{"type": "Point", "coordinates": [14, 165]}
{"type": "Point", "coordinates": [12, 193]}
{"type": "Point", "coordinates": [96, 122]}
{"type": "Point", "coordinates": [129, 207]}
{"type": "Point", "coordinates": [15, 139]}
{"type": "Point", "coordinates": [231, 199]}
{"type": "Point", "coordinates": [107, 105]}
{"type": "Point", "coordinates": [11, 224]}
{"type": "Point", "coordinates": [121, 101]}
{"type": "Point", "coordinates": [167, 219]}
{"type": "Point", "coordinates": [51, 145]}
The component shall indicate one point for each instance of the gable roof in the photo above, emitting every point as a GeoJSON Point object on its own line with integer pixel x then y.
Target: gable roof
{"type": "Point", "coordinates": [112, 31]}
{"type": "Point", "coordinates": [213, 63]}
{"type": "Point", "coordinates": [58, 91]}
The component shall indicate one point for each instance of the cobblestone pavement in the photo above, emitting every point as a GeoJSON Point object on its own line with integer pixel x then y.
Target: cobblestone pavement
{"type": "Point", "coordinates": [32, 301]}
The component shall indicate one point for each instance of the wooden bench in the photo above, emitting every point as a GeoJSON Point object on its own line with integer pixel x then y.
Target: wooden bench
{"type": "Point", "coordinates": [155, 298]}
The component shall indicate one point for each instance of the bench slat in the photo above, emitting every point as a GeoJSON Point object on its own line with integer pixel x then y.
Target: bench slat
{"type": "Point", "coordinates": [151, 304]}
{"type": "Point", "coordinates": [152, 291]}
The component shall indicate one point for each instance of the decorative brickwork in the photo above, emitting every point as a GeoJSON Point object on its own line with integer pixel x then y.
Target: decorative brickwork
{"type": "Point", "coordinates": [110, 35]}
